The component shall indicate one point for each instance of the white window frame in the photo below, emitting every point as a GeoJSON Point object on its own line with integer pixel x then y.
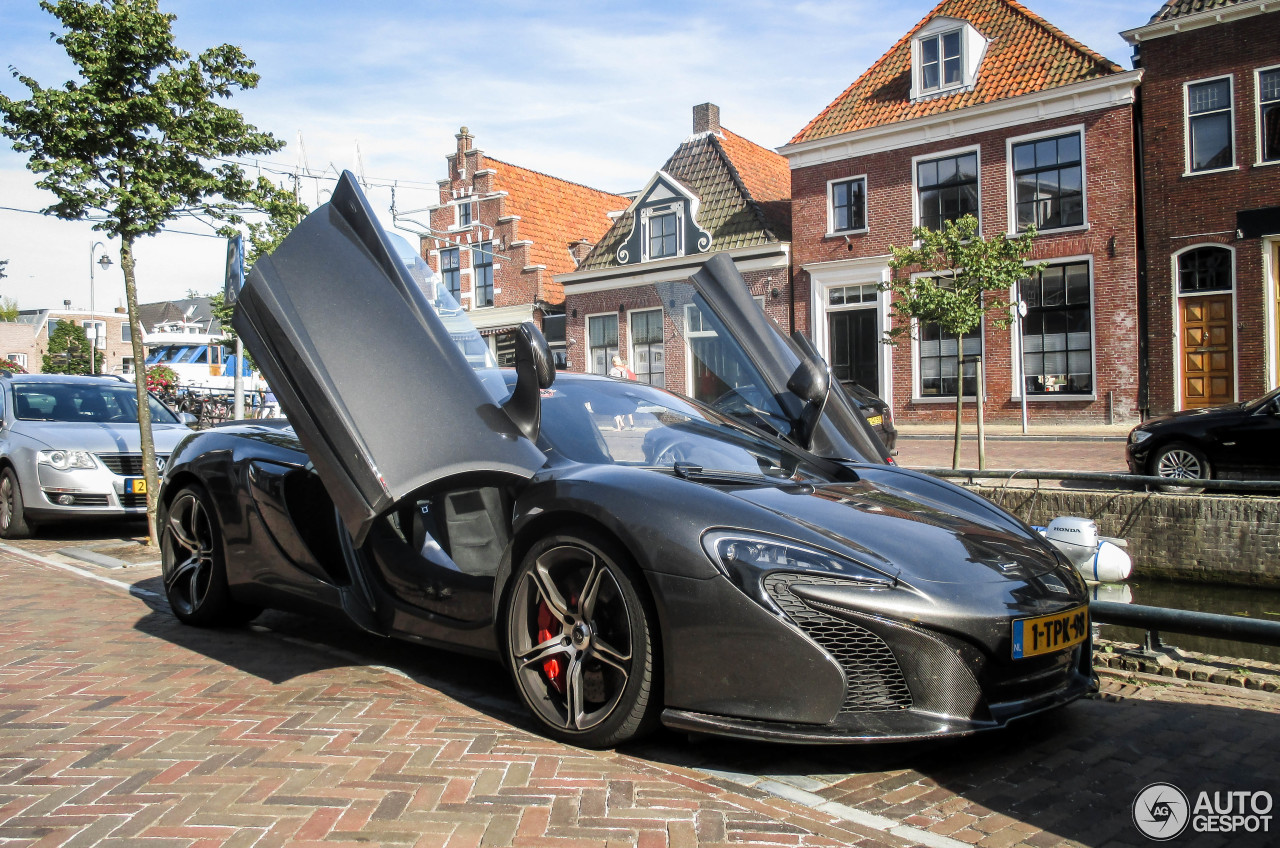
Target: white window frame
{"type": "Point", "coordinates": [1011, 182]}
{"type": "Point", "coordinates": [675, 207]}
{"type": "Point", "coordinates": [823, 278]}
{"type": "Point", "coordinates": [1015, 343]}
{"type": "Point", "coordinates": [973, 47]}
{"type": "Point", "coordinates": [1186, 124]}
{"type": "Point", "coordinates": [831, 208]}
{"type": "Point", "coordinates": [17, 359]}
{"type": "Point", "coordinates": [586, 328]}
{"type": "Point", "coordinates": [126, 365]}
{"type": "Point", "coordinates": [917, 378]}
{"type": "Point", "coordinates": [1175, 307]}
{"type": "Point", "coordinates": [942, 154]}
{"type": "Point", "coordinates": [631, 336]}
{"type": "Point", "coordinates": [1258, 161]}
{"type": "Point", "coordinates": [457, 213]}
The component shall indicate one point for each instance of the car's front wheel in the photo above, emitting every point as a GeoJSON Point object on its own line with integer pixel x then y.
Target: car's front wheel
{"type": "Point", "coordinates": [13, 519]}
{"type": "Point", "coordinates": [579, 641]}
{"type": "Point", "coordinates": [1180, 462]}
{"type": "Point", "coordinates": [194, 565]}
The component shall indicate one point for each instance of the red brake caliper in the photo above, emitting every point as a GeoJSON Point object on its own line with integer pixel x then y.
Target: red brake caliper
{"type": "Point", "coordinates": [552, 668]}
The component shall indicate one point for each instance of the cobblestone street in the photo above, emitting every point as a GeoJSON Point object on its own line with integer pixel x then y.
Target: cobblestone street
{"type": "Point", "coordinates": [122, 726]}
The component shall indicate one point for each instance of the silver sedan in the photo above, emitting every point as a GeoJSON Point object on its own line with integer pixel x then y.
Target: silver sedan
{"type": "Point", "coordinates": [70, 449]}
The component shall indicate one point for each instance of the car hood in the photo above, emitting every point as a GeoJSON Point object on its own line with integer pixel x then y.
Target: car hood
{"type": "Point", "coordinates": [905, 532]}
{"type": "Point", "coordinates": [101, 438]}
{"type": "Point", "coordinates": [1184, 414]}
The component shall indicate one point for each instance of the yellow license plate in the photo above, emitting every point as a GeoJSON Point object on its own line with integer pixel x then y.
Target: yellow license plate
{"type": "Point", "coordinates": [1048, 633]}
{"type": "Point", "coordinates": [136, 485]}
{"type": "Point", "coordinates": [875, 420]}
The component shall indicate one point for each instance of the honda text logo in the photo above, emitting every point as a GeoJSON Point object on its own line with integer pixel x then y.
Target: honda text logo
{"type": "Point", "coordinates": [1161, 811]}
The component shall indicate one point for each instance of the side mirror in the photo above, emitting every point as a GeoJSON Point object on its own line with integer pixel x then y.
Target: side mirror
{"type": "Point", "coordinates": [811, 382]}
{"type": "Point", "coordinates": [188, 419]}
{"type": "Point", "coordinates": [535, 371]}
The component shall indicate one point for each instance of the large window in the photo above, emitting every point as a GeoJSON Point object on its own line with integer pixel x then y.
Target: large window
{"type": "Point", "coordinates": [602, 342]}
{"type": "Point", "coordinates": [940, 61]}
{"type": "Point", "coordinates": [1209, 124]}
{"type": "Point", "coordinates": [1205, 269]}
{"type": "Point", "coordinates": [848, 205]}
{"type": "Point", "coordinates": [126, 331]}
{"type": "Point", "coordinates": [449, 270]}
{"type": "Point", "coordinates": [482, 262]}
{"type": "Point", "coordinates": [647, 347]}
{"type": "Point", "coordinates": [947, 189]}
{"type": "Point", "coordinates": [1269, 115]}
{"type": "Point", "coordinates": [663, 239]}
{"type": "Point", "coordinates": [1048, 179]}
{"type": "Point", "coordinates": [937, 352]}
{"type": "Point", "coordinates": [1057, 335]}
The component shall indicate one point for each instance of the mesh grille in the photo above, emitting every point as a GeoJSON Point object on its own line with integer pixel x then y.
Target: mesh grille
{"type": "Point", "coordinates": [132, 500]}
{"type": "Point", "coordinates": [874, 680]}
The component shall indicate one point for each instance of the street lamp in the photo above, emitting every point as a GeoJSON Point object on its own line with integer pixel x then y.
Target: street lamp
{"type": "Point", "coordinates": [105, 262]}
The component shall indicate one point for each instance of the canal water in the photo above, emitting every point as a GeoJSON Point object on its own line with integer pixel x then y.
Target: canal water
{"type": "Point", "coordinates": [1253, 602]}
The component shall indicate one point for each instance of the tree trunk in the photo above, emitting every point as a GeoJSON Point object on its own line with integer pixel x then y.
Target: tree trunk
{"type": "Point", "coordinates": [955, 453]}
{"type": "Point", "coordinates": [982, 437]}
{"type": "Point", "coordinates": [140, 382]}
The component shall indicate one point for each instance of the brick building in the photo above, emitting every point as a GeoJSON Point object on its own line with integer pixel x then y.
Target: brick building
{"type": "Point", "coordinates": [1210, 121]}
{"type": "Point", "coordinates": [983, 108]}
{"type": "Point", "coordinates": [501, 232]}
{"type": "Point", "coordinates": [26, 340]}
{"type": "Point", "coordinates": [717, 192]}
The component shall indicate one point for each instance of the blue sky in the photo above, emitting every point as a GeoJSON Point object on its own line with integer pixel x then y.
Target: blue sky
{"type": "Point", "coordinates": [593, 92]}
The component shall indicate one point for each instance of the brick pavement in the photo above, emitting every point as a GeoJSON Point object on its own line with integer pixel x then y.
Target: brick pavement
{"type": "Point", "coordinates": [119, 726]}
{"type": "Point", "coordinates": [1044, 455]}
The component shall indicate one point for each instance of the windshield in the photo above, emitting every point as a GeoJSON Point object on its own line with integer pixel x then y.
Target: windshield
{"type": "Point", "coordinates": [83, 402]}
{"type": "Point", "coordinates": [619, 422]}
{"type": "Point", "coordinates": [1269, 397]}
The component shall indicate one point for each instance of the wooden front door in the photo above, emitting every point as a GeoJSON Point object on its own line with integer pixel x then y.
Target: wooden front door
{"type": "Point", "coordinates": [1208, 360]}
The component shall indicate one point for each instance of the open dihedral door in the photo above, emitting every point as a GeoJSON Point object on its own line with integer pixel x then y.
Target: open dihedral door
{"type": "Point", "coordinates": [369, 370]}
{"type": "Point", "coordinates": [738, 358]}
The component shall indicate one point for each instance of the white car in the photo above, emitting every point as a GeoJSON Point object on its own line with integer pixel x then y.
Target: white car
{"type": "Point", "coordinates": [70, 449]}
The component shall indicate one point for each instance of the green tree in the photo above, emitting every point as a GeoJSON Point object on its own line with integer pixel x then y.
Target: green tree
{"type": "Point", "coordinates": [8, 309]}
{"type": "Point", "coordinates": [68, 351]}
{"type": "Point", "coordinates": [138, 140]}
{"type": "Point", "coordinates": [953, 277]}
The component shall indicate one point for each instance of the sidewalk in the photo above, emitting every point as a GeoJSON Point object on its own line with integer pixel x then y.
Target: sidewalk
{"type": "Point", "coordinates": [1035, 432]}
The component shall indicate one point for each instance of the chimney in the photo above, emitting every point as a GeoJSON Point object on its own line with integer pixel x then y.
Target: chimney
{"type": "Point", "coordinates": [464, 142]}
{"type": "Point", "coordinates": [579, 249]}
{"type": "Point", "coordinates": [706, 118]}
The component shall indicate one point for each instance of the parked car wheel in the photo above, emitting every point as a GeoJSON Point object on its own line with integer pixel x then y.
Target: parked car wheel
{"type": "Point", "coordinates": [194, 565]}
{"type": "Point", "coordinates": [1182, 462]}
{"type": "Point", "coordinates": [580, 643]}
{"type": "Point", "coordinates": [13, 521]}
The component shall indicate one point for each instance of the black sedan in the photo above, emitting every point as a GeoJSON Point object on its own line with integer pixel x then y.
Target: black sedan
{"type": "Point", "coordinates": [762, 573]}
{"type": "Point", "coordinates": [1236, 442]}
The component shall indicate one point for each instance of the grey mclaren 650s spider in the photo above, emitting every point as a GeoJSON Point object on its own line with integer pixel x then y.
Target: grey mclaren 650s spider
{"type": "Point", "coordinates": [743, 560]}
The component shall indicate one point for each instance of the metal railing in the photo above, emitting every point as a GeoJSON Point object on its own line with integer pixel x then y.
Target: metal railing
{"type": "Point", "coordinates": [1136, 482]}
{"type": "Point", "coordinates": [1155, 620]}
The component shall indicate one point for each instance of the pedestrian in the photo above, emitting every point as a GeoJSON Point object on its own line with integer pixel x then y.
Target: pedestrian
{"type": "Point", "coordinates": [620, 371]}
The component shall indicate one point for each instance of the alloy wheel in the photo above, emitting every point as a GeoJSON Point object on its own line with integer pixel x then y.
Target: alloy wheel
{"type": "Point", "coordinates": [1180, 464]}
{"type": "Point", "coordinates": [571, 638]}
{"type": "Point", "coordinates": [6, 502]}
{"type": "Point", "coordinates": [188, 544]}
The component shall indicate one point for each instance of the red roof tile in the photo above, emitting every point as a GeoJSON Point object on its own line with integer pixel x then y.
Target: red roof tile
{"type": "Point", "coordinates": [1025, 54]}
{"type": "Point", "coordinates": [554, 213]}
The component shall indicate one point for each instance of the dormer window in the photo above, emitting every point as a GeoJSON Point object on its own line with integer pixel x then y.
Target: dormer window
{"type": "Point", "coordinates": [662, 235]}
{"type": "Point", "coordinates": [945, 56]}
{"type": "Point", "coordinates": [940, 61]}
{"type": "Point", "coordinates": [665, 223]}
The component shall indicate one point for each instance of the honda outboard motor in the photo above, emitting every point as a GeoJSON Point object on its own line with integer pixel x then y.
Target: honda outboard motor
{"type": "Point", "coordinates": [1097, 558]}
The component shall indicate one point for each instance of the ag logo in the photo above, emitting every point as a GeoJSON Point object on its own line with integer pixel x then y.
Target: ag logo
{"type": "Point", "coordinates": [1161, 811]}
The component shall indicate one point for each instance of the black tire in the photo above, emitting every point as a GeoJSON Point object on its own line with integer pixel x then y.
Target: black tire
{"type": "Point", "coordinates": [584, 662]}
{"type": "Point", "coordinates": [193, 563]}
{"type": "Point", "coordinates": [1180, 461]}
{"type": "Point", "coordinates": [13, 518]}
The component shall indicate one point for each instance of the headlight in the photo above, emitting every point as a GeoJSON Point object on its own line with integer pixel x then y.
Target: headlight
{"type": "Point", "coordinates": [64, 460]}
{"type": "Point", "coordinates": [739, 555]}
{"type": "Point", "coordinates": [1137, 437]}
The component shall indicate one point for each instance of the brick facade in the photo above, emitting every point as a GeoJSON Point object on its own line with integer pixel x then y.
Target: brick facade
{"type": "Point", "coordinates": [30, 338]}
{"type": "Point", "coordinates": [537, 226]}
{"type": "Point", "coordinates": [1108, 242]}
{"type": "Point", "coordinates": [1183, 210]}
